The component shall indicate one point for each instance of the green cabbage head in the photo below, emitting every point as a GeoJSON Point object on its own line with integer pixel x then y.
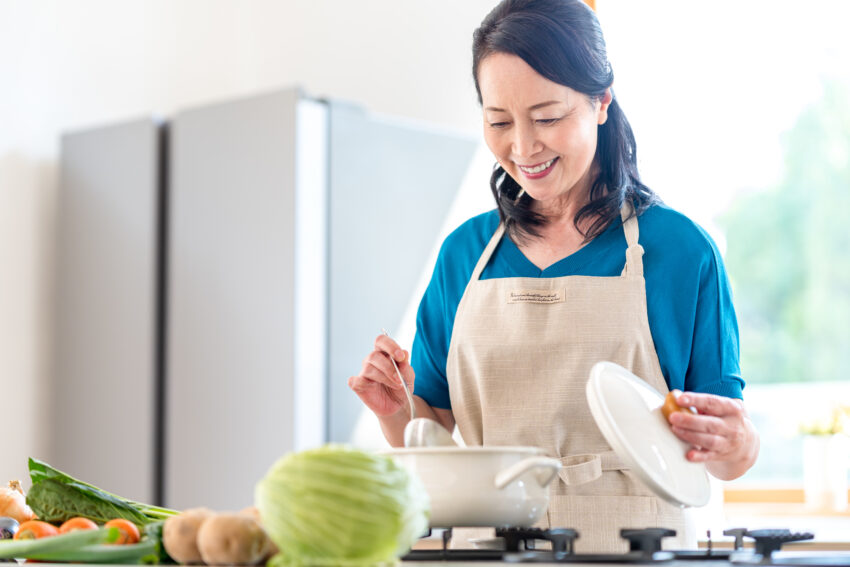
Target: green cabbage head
{"type": "Point", "coordinates": [337, 505]}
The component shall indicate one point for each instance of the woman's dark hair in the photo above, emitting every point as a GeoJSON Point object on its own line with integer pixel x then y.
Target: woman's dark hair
{"type": "Point", "coordinates": [562, 41]}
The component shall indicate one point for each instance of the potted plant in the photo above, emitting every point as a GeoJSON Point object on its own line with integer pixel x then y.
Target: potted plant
{"type": "Point", "coordinates": [826, 447]}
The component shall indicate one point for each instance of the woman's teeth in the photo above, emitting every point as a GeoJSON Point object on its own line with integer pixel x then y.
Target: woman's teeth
{"type": "Point", "coordinates": [537, 168]}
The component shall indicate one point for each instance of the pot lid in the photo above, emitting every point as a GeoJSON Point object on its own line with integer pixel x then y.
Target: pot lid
{"type": "Point", "coordinates": [628, 412]}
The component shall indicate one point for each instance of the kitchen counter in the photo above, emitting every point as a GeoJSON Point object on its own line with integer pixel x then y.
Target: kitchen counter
{"type": "Point", "coordinates": [842, 559]}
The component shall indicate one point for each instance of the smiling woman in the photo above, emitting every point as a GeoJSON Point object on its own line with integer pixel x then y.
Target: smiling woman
{"type": "Point", "coordinates": [579, 263]}
{"type": "Point", "coordinates": [548, 145]}
{"type": "Point", "coordinates": [560, 74]}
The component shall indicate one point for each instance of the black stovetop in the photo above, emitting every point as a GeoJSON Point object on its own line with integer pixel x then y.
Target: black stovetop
{"type": "Point", "coordinates": [521, 545]}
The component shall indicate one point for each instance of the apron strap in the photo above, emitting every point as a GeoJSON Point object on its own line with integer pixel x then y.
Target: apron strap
{"type": "Point", "coordinates": [634, 251]}
{"type": "Point", "coordinates": [581, 469]}
{"type": "Point", "coordinates": [488, 251]}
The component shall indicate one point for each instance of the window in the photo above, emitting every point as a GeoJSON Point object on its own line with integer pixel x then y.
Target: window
{"type": "Point", "coordinates": [741, 111]}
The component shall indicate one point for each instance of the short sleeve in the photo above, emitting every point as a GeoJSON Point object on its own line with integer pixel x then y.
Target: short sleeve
{"type": "Point", "coordinates": [430, 345]}
{"type": "Point", "coordinates": [689, 304]}
{"type": "Point", "coordinates": [714, 367]}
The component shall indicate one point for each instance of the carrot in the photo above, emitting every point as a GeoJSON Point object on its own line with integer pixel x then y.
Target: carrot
{"type": "Point", "coordinates": [36, 529]}
{"type": "Point", "coordinates": [129, 531]}
{"type": "Point", "coordinates": [78, 523]}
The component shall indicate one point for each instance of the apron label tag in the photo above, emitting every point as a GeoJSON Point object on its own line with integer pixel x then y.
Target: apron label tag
{"type": "Point", "coordinates": [535, 296]}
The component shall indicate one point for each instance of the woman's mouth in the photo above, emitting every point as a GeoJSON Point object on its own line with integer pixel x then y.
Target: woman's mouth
{"type": "Point", "coordinates": [539, 170]}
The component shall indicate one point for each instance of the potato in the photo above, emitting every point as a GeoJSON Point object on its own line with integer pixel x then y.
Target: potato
{"type": "Point", "coordinates": [254, 512]}
{"type": "Point", "coordinates": [180, 535]}
{"type": "Point", "coordinates": [233, 539]}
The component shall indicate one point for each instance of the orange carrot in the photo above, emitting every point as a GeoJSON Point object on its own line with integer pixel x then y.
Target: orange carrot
{"type": "Point", "coordinates": [36, 529]}
{"type": "Point", "coordinates": [129, 531]}
{"type": "Point", "coordinates": [77, 523]}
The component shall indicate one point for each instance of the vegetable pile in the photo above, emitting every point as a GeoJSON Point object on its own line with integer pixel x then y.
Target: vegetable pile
{"type": "Point", "coordinates": [329, 506]}
{"type": "Point", "coordinates": [77, 522]}
{"type": "Point", "coordinates": [76, 540]}
{"type": "Point", "coordinates": [339, 506]}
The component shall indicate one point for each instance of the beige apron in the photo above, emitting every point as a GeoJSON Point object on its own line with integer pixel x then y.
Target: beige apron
{"type": "Point", "coordinates": [520, 355]}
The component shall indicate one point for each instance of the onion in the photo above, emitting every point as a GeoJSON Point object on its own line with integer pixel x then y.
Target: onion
{"type": "Point", "coordinates": [13, 503]}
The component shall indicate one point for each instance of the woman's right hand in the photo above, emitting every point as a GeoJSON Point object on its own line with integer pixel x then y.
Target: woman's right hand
{"type": "Point", "coordinates": [377, 385]}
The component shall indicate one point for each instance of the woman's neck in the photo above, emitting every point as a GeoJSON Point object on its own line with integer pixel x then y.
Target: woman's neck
{"type": "Point", "coordinates": [562, 210]}
{"type": "Point", "coordinates": [559, 236]}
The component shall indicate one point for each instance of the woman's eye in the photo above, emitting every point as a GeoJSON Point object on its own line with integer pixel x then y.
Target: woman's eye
{"type": "Point", "coordinates": [499, 124]}
{"type": "Point", "coordinates": [547, 121]}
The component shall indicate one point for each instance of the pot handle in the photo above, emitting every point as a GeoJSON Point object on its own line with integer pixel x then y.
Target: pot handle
{"type": "Point", "coordinates": [547, 471]}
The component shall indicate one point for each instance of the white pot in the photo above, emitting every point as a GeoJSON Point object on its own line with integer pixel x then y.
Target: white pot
{"type": "Point", "coordinates": [482, 486]}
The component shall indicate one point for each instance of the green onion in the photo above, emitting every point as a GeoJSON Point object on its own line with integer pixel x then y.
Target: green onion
{"type": "Point", "coordinates": [144, 552]}
{"type": "Point", "coordinates": [25, 548]}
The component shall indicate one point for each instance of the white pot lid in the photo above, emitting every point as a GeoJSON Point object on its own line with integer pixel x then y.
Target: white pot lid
{"type": "Point", "coordinates": [628, 412]}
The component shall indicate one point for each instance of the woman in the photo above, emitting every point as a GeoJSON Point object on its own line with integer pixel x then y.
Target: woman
{"type": "Point", "coordinates": [581, 263]}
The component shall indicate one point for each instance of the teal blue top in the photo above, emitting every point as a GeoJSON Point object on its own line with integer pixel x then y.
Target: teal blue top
{"type": "Point", "coordinates": [689, 300]}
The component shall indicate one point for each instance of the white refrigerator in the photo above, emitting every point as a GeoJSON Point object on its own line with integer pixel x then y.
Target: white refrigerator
{"type": "Point", "coordinates": [249, 258]}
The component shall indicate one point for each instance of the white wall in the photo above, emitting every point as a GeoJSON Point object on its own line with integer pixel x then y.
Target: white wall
{"type": "Point", "coordinates": [708, 87]}
{"type": "Point", "coordinates": [69, 64]}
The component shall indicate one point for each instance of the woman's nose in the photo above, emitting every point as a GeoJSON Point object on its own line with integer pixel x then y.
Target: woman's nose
{"type": "Point", "coordinates": [524, 143]}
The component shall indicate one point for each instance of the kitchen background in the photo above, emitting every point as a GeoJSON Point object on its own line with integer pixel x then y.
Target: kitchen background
{"type": "Point", "coordinates": [739, 108]}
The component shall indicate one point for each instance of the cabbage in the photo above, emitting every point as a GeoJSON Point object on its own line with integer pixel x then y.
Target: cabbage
{"type": "Point", "coordinates": [336, 505]}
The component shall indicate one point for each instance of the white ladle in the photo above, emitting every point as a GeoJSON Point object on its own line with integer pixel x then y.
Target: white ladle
{"type": "Point", "coordinates": [424, 432]}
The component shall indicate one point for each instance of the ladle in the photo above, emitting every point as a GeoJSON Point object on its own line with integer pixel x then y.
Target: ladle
{"type": "Point", "coordinates": [424, 432]}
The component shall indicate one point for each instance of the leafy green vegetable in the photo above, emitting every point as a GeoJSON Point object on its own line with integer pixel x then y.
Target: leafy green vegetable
{"type": "Point", "coordinates": [56, 545]}
{"type": "Point", "coordinates": [142, 552]}
{"type": "Point", "coordinates": [55, 502]}
{"type": "Point", "coordinates": [336, 505]}
{"type": "Point", "coordinates": [56, 497]}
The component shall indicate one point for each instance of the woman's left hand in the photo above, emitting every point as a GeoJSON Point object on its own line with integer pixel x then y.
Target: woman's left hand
{"type": "Point", "coordinates": [721, 433]}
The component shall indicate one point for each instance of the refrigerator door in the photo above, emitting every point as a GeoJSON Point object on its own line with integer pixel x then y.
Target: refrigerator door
{"type": "Point", "coordinates": [103, 406]}
{"type": "Point", "coordinates": [246, 302]}
{"type": "Point", "coordinates": [392, 184]}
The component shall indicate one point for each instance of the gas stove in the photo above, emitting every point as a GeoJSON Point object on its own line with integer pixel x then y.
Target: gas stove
{"type": "Point", "coordinates": [556, 546]}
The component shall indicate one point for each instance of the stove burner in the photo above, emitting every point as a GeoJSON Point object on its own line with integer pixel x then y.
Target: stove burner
{"type": "Point", "coordinates": [646, 541]}
{"type": "Point", "coordinates": [768, 541]}
{"type": "Point", "coordinates": [644, 547]}
{"type": "Point", "coordinates": [561, 538]}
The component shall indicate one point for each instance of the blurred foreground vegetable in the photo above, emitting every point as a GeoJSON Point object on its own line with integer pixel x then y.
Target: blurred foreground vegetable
{"type": "Point", "coordinates": [58, 544]}
{"type": "Point", "coordinates": [339, 506]}
{"type": "Point", "coordinates": [89, 546]}
{"type": "Point", "coordinates": [75, 524]}
{"type": "Point", "coordinates": [13, 503]}
{"type": "Point", "coordinates": [8, 527]}
{"type": "Point", "coordinates": [36, 529]}
{"type": "Point", "coordinates": [56, 497]}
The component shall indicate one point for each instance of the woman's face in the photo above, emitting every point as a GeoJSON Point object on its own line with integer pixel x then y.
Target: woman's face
{"type": "Point", "coordinates": [542, 133]}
